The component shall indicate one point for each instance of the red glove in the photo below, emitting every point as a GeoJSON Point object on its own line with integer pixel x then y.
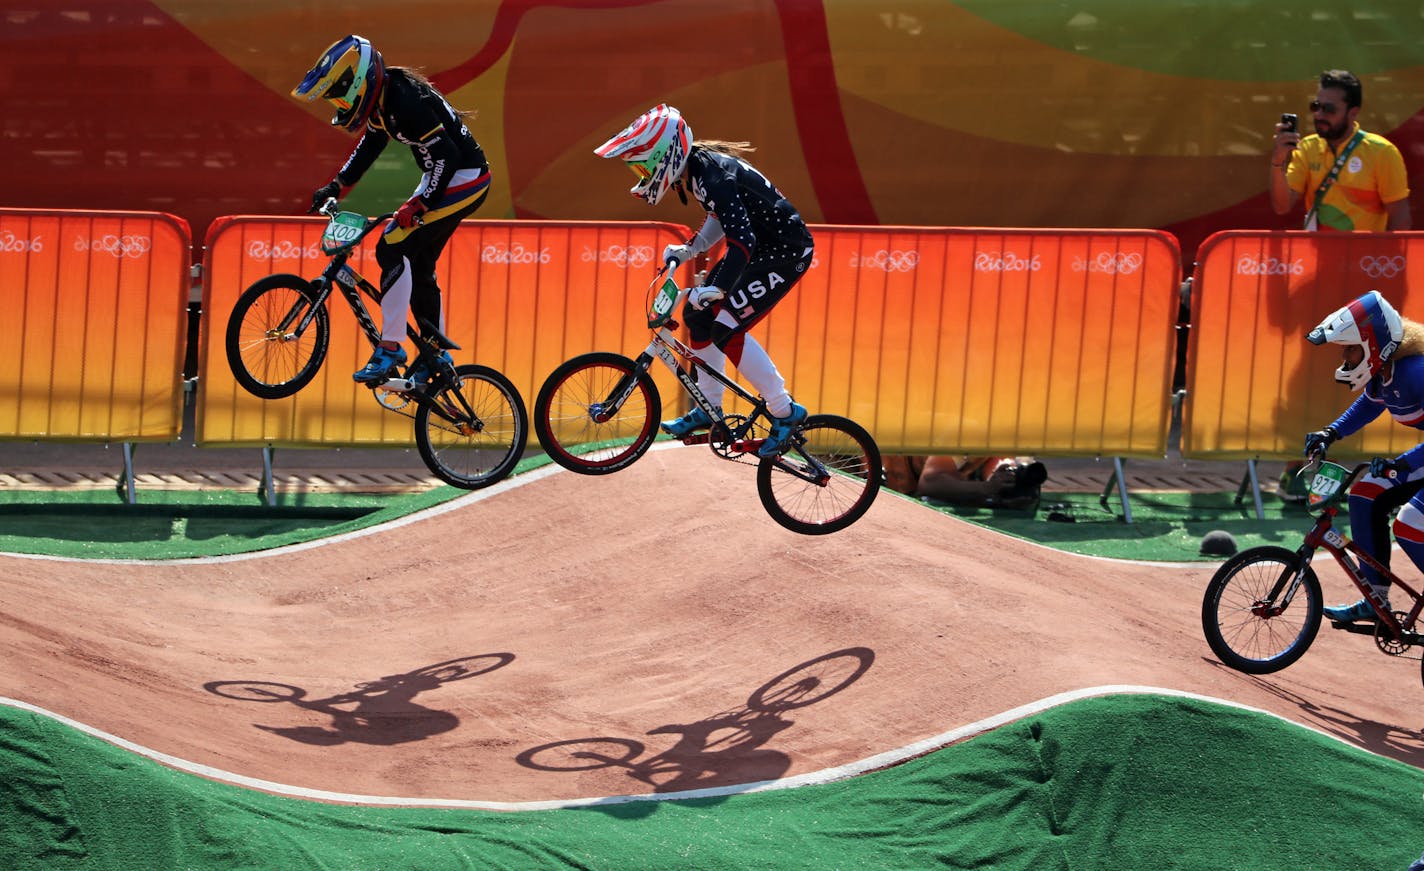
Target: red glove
{"type": "Point", "coordinates": [408, 215]}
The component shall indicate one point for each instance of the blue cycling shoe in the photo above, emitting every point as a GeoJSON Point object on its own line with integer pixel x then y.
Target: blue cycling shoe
{"type": "Point", "coordinates": [381, 366]}
{"type": "Point", "coordinates": [425, 367]}
{"type": "Point", "coordinates": [1361, 610]}
{"type": "Point", "coordinates": [781, 430]}
{"type": "Point", "coordinates": [684, 426]}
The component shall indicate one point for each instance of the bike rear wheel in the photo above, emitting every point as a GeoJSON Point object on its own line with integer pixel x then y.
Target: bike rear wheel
{"type": "Point", "coordinates": [573, 421]}
{"type": "Point", "coordinates": [1243, 629]}
{"type": "Point", "coordinates": [471, 433]}
{"type": "Point", "coordinates": [826, 481]}
{"type": "Point", "coordinates": [266, 357]}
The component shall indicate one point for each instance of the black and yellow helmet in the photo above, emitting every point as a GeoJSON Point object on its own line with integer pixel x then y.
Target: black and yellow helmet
{"type": "Point", "coordinates": [349, 75]}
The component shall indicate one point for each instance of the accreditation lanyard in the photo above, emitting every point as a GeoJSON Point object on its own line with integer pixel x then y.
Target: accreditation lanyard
{"type": "Point", "coordinates": [1311, 220]}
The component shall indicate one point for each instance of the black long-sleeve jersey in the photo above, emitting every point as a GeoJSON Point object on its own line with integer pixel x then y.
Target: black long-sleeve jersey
{"type": "Point", "coordinates": [414, 113]}
{"type": "Point", "coordinates": [759, 224]}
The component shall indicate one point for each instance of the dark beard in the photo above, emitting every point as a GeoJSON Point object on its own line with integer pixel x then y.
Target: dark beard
{"type": "Point", "coordinates": [1332, 133]}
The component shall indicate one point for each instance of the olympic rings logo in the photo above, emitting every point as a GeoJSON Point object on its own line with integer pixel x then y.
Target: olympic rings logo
{"type": "Point", "coordinates": [1382, 267]}
{"type": "Point", "coordinates": [261, 249]}
{"type": "Point", "coordinates": [886, 261]}
{"type": "Point", "coordinates": [513, 255]}
{"type": "Point", "coordinates": [12, 244]}
{"type": "Point", "coordinates": [119, 246]}
{"type": "Point", "coordinates": [1109, 263]}
{"type": "Point", "coordinates": [1008, 262]}
{"type": "Point", "coordinates": [623, 255]}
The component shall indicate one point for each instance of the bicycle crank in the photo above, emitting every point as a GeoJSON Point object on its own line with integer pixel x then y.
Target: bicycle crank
{"type": "Point", "coordinates": [1390, 645]}
{"type": "Point", "coordinates": [723, 439]}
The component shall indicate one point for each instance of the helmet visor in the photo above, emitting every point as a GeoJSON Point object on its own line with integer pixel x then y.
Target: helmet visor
{"type": "Point", "coordinates": [340, 93]}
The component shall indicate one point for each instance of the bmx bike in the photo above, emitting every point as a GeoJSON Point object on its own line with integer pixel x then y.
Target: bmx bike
{"type": "Point", "coordinates": [598, 413]}
{"type": "Point", "coordinates": [470, 421]}
{"type": "Point", "coordinates": [1250, 614]}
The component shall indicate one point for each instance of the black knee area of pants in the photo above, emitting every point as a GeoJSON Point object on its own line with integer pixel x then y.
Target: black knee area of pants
{"type": "Point", "coordinates": [699, 323]}
{"type": "Point", "coordinates": [392, 261]}
{"type": "Point", "coordinates": [704, 328]}
{"type": "Point", "coordinates": [1381, 517]}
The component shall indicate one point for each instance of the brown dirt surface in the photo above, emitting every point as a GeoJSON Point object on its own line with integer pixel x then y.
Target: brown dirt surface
{"type": "Point", "coordinates": [469, 654]}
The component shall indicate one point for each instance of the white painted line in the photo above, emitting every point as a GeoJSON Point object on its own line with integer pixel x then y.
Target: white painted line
{"type": "Point", "coordinates": [829, 775]}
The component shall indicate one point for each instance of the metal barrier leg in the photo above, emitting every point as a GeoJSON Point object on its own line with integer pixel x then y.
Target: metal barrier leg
{"type": "Point", "coordinates": [1254, 481]}
{"type": "Point", "coordinates": [267, 490]}
{"type": "Point", "coordinates": [126, 484]}
{"type": "Point", "coordinates": [1118, 478]}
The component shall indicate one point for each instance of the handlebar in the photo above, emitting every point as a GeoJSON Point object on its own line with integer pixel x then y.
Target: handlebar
{"type": "Point", "coordinates": [331, 207]}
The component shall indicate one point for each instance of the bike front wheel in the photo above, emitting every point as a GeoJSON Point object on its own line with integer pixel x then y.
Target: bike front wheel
{"type": "Point", "coordinates": [1244, 627]}
{"type": "Point", "coordinates": [577, 425]}
{"type": "Point", "coordinates": [267, 356]}
{"type": "Point", "coordinates": [471, 432]}
{"type": "Point", "coordinates": [826, 480]}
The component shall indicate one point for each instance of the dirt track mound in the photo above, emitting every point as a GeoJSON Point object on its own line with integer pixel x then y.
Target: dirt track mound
{"type": "Point", "coordinates": [657, 613]}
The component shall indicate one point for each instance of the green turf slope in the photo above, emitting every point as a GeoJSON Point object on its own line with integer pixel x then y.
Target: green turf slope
{"type": "Point", "coordinates": [1115, 782]}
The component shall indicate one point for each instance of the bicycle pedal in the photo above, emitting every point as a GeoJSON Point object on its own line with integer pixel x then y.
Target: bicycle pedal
{"type": "Point", "coordinates": [697, 438]}
{"type": "Point", "coordinates": [400, 385]}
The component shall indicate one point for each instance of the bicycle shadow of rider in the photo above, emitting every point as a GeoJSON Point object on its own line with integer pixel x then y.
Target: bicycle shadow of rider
{"type": "Point", "coordinates": [727, 749]}
{"type": "Point", "coordinates": [380, 712]}
{"type": "Point", "coordinates": [1394, 741]}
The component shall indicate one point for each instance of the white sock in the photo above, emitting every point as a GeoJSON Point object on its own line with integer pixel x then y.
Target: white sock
{"type": "Point", "coordinates": [711, 388]}
{"type": "Point", "coordinates": [761, 372]}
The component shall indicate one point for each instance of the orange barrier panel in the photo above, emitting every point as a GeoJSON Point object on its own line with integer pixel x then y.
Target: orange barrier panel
{"type": "Point", "coordinates": [95, 321]}
{"type": "Point", "coordinates": [519, 296]}
{"type": "Point", "coordinates": [987, 340]}
{"type": "Point", "coordinates": [1255, 386]}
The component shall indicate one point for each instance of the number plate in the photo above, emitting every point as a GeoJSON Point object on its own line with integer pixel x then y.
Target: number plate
{"type": "Point", "coordinates": [342, 231]}
{"type": "Point", "coordinates": [661, 310]}
{"type": "Point", "coordinates": [1325, 484]}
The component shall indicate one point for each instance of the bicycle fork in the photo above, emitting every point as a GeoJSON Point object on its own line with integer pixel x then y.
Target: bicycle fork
{"type": "Point", "coordinates": [1278, 600]}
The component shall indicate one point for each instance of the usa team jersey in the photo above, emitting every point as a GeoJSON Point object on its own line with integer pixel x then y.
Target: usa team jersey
{"type": "Point", "coordinates": [759, 224]}
{"type": "Point", "coordinates": [1373, 176]}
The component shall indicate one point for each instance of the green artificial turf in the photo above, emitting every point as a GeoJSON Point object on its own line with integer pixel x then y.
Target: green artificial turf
{"type": "Point", "coordinates": [184, 524]}
{"type": "Point", "coordinates": [1165, 527]}
{"type": "Point", "coordinates": [1116, 782]}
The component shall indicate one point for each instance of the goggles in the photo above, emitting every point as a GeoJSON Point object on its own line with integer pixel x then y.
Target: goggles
{"type": "Point", "coordinates": [340, 91]}
{"type": "Point", "coordinates": [640, 169]}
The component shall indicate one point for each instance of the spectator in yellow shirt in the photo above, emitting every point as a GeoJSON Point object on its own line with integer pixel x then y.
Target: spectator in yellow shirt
{"type": "Point", "coordinates": [1350, 179]}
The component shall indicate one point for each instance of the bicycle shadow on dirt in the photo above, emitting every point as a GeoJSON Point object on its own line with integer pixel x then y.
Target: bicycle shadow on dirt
{"type": "Point", "coordinates": [1394, 741]}
{"type": "Point", "coordinates": [378, 712]}
{"type": "Point", "coordinates": [727, 749]}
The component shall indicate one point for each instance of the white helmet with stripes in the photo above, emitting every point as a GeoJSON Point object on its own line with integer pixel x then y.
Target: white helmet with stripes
{"type": "Point", "coordinates": [655, 147]}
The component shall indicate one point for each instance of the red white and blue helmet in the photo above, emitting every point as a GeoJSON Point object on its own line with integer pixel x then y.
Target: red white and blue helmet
{"type": "Point", "coordinates": [1370, 322]}
{"type": "Point", "coordinates": [655, 147]}
{"type": "Point", "coordinates": [349, 75]}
